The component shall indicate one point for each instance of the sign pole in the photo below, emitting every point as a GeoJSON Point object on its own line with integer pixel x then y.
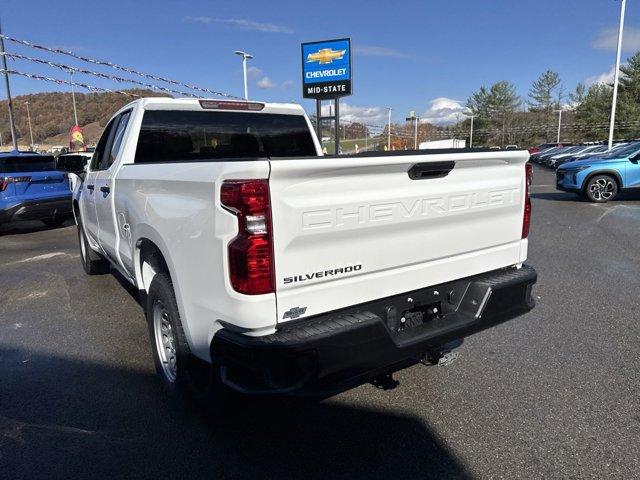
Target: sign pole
{"type": "Point", "coordinates": [319, 120]}
{"type": "Point", "coordinates": [337, 120]}
{"type": "Point", "coordinates": [14, 137]}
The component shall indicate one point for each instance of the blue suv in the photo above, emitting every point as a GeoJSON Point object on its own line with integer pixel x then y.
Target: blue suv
{"type": "Point", "coordinates": [601, 177]}
{"type": "Point", "coordinates": [31, 188]}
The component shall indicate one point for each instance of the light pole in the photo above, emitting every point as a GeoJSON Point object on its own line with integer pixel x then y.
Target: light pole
{"type": "Point", "coordinates": [469, 113]}
{"type": "Point", "coordinates": [73, 96]}
{"type": "Point", "coordinates": [389, 130]}
{"type": "Point", "coordinates": [415, 118]}
{"type": "Point", "coordinates": [30, 129]}
{"type": "Point", "coordinates": [245, 56]}
{"type": "Point", "coordinates": [559, 112]}
{"type": "Point", "coordinates": [616, 75]}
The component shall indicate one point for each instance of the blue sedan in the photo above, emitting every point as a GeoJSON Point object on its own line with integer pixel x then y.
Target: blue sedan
{"type": "Point", "coordinates": [600, 178]}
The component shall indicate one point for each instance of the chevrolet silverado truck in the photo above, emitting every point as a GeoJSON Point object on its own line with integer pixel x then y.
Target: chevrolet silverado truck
{"type": "Point", "coordinates": [266, 267]}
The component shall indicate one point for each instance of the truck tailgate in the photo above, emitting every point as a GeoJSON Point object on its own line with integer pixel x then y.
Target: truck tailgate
{"type": "Point", "coordinates": [348, 230]}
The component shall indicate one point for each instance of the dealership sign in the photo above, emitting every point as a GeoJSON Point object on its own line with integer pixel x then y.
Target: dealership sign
{"type": "Point", "coordinates": [326, 69]}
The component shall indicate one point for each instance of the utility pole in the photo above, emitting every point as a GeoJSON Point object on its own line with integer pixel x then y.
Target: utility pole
{"type": "Point", "coordinates": [389, 130]}
{"type": "Point", "coordinates": [245, 56]}
{"type": "Point", "coordinates": [14, 136]}
{"type": "Point", "coordinates": [73, 96]}
{"type": "Point", "coordinates": [30, 129]}
{"type": "Point", "coordinates": [616, 77]}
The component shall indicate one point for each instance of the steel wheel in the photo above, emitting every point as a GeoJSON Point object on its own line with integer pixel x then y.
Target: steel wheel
{"type": "Point", "coordinates": [602, 189]}
{"type": "Point", "coordinates": [165, 341]}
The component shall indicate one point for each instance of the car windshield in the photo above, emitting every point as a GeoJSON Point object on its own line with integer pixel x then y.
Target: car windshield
{"type": "Point", "coordinates": [625, 151]}
{"type": "Point", "coordinates": [27, 163]}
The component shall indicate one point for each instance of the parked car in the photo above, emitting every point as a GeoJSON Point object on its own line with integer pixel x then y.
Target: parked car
{"type": "Point", "coordinates": [600, 178]}
{"type": "Point", "coordinates": [31, 188]}
{"type": "Point", "coordinates": [598, 149]}
{"type": "Point", "coordinates": [259, 258]}
{"type": "Point", "coordinates": [551, 161]}
{"type": "Point", "coordinates": [75, 162]}
{"type": "Point", "coordinates": [546, 146]}
{"type": "Point", "coordinates": [540, 156]}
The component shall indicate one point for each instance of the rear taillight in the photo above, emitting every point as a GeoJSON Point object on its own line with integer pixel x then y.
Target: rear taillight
{"type": "Point", "coordinates": [251, 251]}
{"type": "Point", "coordinates": [5, 181]}
{"type": "Point", "coordinates": [526, 217]}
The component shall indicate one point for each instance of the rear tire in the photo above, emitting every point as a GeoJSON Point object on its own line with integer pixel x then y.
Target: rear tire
{"type": "Point", "coordinates": [182, 374]}
{"type": "Point", "coordinates": [92, 262]}
{"type": "Point", "coordinates": [601, 188]}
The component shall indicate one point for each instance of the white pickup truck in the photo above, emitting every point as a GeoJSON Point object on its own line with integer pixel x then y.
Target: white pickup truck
{"type": "Point", "coordinates": [268, 268]}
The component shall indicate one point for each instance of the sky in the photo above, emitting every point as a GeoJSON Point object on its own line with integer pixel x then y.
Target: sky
{"type": "Point", "coordinates": [424, 56]}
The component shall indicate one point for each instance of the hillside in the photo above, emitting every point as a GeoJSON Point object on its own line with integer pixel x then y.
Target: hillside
{"type": "Point", "coordinates": [52, 115]}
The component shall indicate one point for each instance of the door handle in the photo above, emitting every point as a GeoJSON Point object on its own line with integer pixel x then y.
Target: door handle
{"type": "Point", "coordinates": [105, 189]}
{"type": "Point", "coordinates": [421, 171]}
{"type": "Point", "coordinates": [90, 187]}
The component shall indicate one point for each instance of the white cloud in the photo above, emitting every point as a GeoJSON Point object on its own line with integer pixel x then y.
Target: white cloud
{"type": "Point", "coordinates": [366, 115]}
{"type": "Point", "coordinates": [254, 72]}
{"type": "Point", "coordinates": [242, 23]}
{"type": "Point", "coordinates": [265, 82]}
{"type": "Point", "coordinates": [604, 77]}
{"type": "Point", "coordinates": [375, 51]}
{"type": "Point", "coordinates": [607, 39]}
{"type": "Point", "coordinates": [444, 111]}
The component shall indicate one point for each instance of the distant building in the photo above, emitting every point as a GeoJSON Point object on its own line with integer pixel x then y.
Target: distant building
{"type": "Point", "coordinates": [448, 143]}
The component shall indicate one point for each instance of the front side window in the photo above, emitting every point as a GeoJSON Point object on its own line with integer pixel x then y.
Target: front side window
{"type": "Point", "coordinates": [117, 139]}
{"type": "Point", "coordinates": [174, 136]}
{"type": "Point", "coordinates": [102, 146]}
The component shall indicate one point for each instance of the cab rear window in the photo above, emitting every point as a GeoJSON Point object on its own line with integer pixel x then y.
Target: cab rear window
{"type": "Point", "coordinates": [175, 136]}
{"type": "Point", "coordinates": [34, 163]}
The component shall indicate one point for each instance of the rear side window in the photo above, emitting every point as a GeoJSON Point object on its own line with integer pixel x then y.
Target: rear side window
{"type": "Point", "coordinates": [34, 163]}
{"type": "Point", "coordinates": [174, 136]}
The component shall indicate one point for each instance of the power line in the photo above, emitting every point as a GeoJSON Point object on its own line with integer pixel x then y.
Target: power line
{"type": "Point", "coordinates": [59, 51]}
{"type": "Point", "coordinates": [68, 68]}
{"type": "Point", "coordinates": [66, 82]}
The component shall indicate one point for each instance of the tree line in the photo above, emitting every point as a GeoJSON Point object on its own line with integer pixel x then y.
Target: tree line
{"type": "Point", "coordinates": [501, 116]}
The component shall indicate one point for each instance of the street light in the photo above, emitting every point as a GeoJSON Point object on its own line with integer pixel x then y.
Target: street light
{"type": "Point", "coordinates": [559, 112]}
{"type": "Point", "coordinates": [469, 113]}
{"type": "Point", "coordinates": [415, 118]}
{"type": "Point", "coordinates": [616, 75]}
{"type": "Point", "coordinates": [30, 129]}
{"type": "Point", "coordinates": [245, 56]}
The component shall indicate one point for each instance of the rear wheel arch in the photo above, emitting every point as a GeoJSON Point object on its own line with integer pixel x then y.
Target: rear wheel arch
{"type": "Point", "coordinates": [149, 260]}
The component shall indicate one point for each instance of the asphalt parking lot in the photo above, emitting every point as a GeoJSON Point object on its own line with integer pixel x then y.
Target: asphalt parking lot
{"type": "Point", "coordinates": [554, 394]}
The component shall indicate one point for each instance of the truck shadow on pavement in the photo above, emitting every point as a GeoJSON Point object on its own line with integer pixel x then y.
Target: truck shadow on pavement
{"type": "Point", "coordinates": [21, 228]}
{"type": "Point", "coordinates": [70, 418]}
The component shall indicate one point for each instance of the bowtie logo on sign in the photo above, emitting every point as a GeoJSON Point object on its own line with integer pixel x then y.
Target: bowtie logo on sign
{"type": "Point", "coordinates": [326, 55]}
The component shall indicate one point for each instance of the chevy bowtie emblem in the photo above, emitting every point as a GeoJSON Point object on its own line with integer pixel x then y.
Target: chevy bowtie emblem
{"type": "Point", "coordinates": [325, 56]}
